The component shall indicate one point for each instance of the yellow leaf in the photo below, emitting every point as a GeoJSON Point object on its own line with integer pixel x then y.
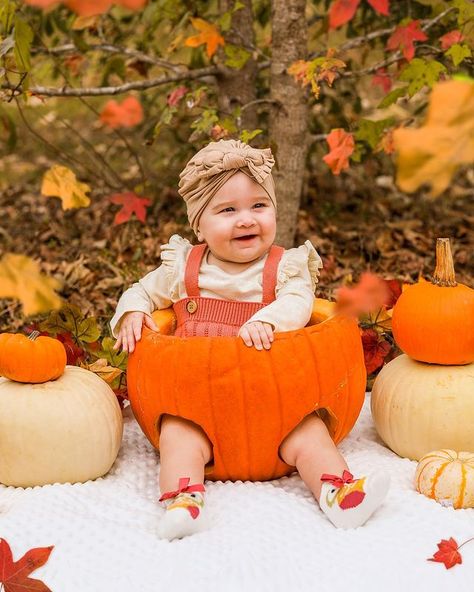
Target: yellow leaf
{"type": "Point", "coordinates": [61, 182]}
{"type": "Point", "coordinates": [20, 277]}
{"type": "Point", "coordinates": [433, 153]}
{"type": "Point", "coordinates": [209, 35]}
{"type": "Point", "coordinates": [102, 369]}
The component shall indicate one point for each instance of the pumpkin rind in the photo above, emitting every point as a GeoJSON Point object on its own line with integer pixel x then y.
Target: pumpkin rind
{"type": "Point", "coordinates": [447, 476]}
{"type": "Point", "coordinates": [434, 321]}
{"type": "Point", "coordinates": [419, 407]}
{"type": "Point", "coordinates": [33, 360]}
{"type": "Point", "coordinates": [257, 396]}
{"type": "Point", "coordinates": [63, 431]}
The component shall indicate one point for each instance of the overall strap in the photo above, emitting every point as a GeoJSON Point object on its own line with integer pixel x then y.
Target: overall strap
{"type": "Point", "coordinates": [191, 273]}
{"type": "Point", "coordinates": [270, 273]}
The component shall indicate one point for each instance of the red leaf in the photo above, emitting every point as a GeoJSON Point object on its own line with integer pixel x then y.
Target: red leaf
{"type": "Point", "coordinates": [341, 12]}
{"type": "Point", "coordinates": [14, 574]}
{"type": "Point", "coordinates": [448, 553]}
{"type": "Point", "coordinates": [74, 353]}
{"type": "Point", "coordinates": [176, 95]}
{"type": "Point", "coordinates": [395, 289]}
{"type": "Point", "coordinates": [451, 38]}
{"type": "Point", "coordinates": [382, 78]}
{"type": "Point", "coordinates": [122, 395]}
{"type": "Point", "coordinates": [342, 146]}
{"type": "Point", "coordinates": [381, 6]}
{"type": "Point", "coordinates": [368, 295]}
{"type": "Point", "coordinates": [126, 114]}
{"type": "Point", "coordinates": [375, 349]}
{"type": "Point", "coordinates": [131, 204]}
{"type": "Point", "coordinates": [403, 38]}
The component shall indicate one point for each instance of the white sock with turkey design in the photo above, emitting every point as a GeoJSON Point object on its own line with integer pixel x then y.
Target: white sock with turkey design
{"type": "Point", "coordinates": [349, 502]}
{"type": "Point", "coordinates": [184, 511]}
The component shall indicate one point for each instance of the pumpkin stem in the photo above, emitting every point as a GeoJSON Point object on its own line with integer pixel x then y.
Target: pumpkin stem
{"type": "Point", "coordinates": [33, 335]}
{"type": "Point", "coordinates": [444, 274]}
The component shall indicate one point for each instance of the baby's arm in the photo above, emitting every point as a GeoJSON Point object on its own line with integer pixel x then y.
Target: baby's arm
{"type": "Point", "coordinates": [131, 330]}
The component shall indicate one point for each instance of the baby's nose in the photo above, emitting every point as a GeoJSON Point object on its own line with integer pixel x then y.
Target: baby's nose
{"type": "Point", "coordinates": [246, 220]}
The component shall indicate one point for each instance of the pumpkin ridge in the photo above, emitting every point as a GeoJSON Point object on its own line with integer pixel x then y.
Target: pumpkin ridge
{"type": "Point", "coordinates": [462, 488]}
{"type": "Point", "coordinates": [244, 407]}
{"type": "Point", "coordinates": [438, 474]}
{"type": "Point", "coordinates": [280, 414]}
{"type": "Point", "coordinates": [427, 465]}
{"type": "Point", "coordinates": [212, 414]}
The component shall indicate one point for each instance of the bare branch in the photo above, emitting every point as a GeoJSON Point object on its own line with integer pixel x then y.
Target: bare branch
{"type": "Point", "coordinates": [66, 91]}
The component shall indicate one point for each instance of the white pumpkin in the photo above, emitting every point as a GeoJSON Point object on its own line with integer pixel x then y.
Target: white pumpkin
{"type": "Point", "coordinates": [448, 477]}
{"type": "Point", "coordinates": [66, 430]}
{"type": "Point", "coordinates": [418, 407]}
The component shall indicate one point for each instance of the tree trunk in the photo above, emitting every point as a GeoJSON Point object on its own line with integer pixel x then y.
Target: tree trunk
{"type": "Point", "coordinates": [289, 119]}
{"type": "Point", "coordinates": [237, 87]}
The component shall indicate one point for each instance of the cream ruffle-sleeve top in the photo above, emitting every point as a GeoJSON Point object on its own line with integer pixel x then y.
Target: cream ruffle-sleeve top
{"type": "Point", "coordinates": [297, 276]}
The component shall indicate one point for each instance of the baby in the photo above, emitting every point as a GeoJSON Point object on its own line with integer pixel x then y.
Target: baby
{"type": "Point", "coordinates": [230, 196]}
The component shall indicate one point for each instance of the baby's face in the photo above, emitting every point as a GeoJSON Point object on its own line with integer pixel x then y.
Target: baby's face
{"type": "Point", "coordinates": [239, 223]}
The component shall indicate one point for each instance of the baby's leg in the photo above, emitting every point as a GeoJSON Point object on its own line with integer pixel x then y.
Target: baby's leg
{"type": "Point", "coordinates": [347, 502]}
{"type": "Point", "coordinates": [184, 451]}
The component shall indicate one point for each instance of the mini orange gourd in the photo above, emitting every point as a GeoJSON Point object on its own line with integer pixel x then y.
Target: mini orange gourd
{"type": "Point", "coordinates": [34, 358]}
{"type": "Point", "coordinates": [247, 401]}
{"type": "Point", "coordinates": [447, 476]}
{"type": "Point", "coordinates": [434, 321]}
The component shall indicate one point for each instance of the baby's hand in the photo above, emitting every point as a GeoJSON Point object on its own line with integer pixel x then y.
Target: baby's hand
{"type": "Point", "coordinates": [131, 330]}
{"type": "Point", "coordinates": [258, 334]}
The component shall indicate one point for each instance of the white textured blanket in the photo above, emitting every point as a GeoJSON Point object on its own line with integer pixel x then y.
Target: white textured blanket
{"type": "Point", "coordinates": [264, 536]}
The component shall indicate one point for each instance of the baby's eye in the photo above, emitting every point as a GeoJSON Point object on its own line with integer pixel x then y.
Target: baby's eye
{"type": "Point", "coordinates": [229, 209]}
{"type": "Point", "coordinates": [260, 205]}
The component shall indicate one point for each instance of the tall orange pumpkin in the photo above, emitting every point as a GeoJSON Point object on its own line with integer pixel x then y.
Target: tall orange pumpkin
{"type": "Point", "coordinates": [434, 321]}
{"type": "Point", "coordinates": [247, 401]}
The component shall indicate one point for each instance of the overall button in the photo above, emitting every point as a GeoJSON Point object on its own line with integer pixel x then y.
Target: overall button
{"type": "Point", "coordinates": [191, 306]}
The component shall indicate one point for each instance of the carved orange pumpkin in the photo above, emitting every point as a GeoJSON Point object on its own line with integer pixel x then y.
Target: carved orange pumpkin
{"type": "Point", "coordinates": [434, 321]}
{"type": "Point", "coordinates": [32, 359]}
{"type": "Point", "coordinates": [247, 401]}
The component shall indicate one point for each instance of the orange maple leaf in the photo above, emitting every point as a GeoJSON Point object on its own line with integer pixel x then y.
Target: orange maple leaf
{"type": "Point", "coordinates": [89, 7]}
{"type": "Point", "coordinates": [209, 35]}
{"type": "Point", "coordinates": [404, 37]}
{"type": "Point", "coordinates": [126, 114]}
{"type": "Point", "coordinates": [341, 146]}
{"type": "Point", "coordinates": [14, 574]}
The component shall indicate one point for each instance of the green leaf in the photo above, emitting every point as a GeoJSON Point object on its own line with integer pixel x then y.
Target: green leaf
{"type": "Point", "coordinates": [225, 21]}
{"type": "Point", "coordinates": [115, 358]}
{"type": "Point", "coordinates": [392, 97]}
{"type": "Point", "coordinates": [358, 153]}
{"type": "Point", "coordinates": [370, 131]}
{"type": "Point", "coordinates": [248, 135]}
{"type": "Point", "coordinates": [7, 13]}
{"type": "Point", "coordinates": [237, 56]}
{"type": "Point", "coordinates": [466, 11]}
{"type": "Point", "coordinates": [206, 121]}
{"type": "Point", "coordinates": [70, 319]}
{"type": "Point", "coordinates": [458, 52]}
{"type": "Point", "coordinates": [23, 35]}
{"type": "Point", "coordinates": [420, 72]}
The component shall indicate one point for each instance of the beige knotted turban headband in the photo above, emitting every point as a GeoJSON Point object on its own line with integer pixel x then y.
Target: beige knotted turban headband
{"type": "Point", "coordinates": [213, 165]}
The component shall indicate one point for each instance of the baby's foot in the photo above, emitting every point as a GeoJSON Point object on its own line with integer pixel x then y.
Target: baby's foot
{"type": "Point", "coordinates": [184, 511]}
{"type": "Point", "coordinates": [350, 502]}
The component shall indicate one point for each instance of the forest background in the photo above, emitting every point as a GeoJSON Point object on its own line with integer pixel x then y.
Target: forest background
{"type": "Point", "coordinates": [368, 106]}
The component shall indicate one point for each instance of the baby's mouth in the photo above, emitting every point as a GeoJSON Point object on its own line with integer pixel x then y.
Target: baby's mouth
{"type": "Point", "coordinates": [245, 237]}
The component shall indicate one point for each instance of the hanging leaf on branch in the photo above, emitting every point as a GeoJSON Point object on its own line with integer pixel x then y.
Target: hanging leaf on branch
{"type": "Point", "coordinates": [435, 151]}
{"type": "Point", "coordinates": [320, 69]}
{"type": "Point", "coordinates": [342, 11]}
{"type": "Point", "coordinates": [126, 114]}
{"type": "Point", "coordinates": [341, 146]}
{"type": "Point", "coordinates": [209, 36]}
{"type": "Point", "coordinates": [404, 37]}
{"type": "Point", "coordinates": [89, 7]}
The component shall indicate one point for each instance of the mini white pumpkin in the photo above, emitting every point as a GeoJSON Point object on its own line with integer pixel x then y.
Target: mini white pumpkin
{"type": "Point", "coordinates": [66, 430]}
{"type": "Point", "coordinates": [448, 477]}
{"type": "Point", "coordinates": [418, 407]}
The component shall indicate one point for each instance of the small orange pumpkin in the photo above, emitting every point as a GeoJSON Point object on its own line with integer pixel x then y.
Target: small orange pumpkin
{"type": "Point", "coordinates": [247, 401]}
{"type": "Point", "coordinates": [34, 359]}
{"type": "Point", "coordinates": [434, 321]}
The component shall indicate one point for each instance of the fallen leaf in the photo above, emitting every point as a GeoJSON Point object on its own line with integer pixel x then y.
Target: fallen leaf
{"type": "Point", "coordinates": [447, 553]}
{"type": "Point", "coordinates": [126, 114]}
{"type": "Point", "coordinates": [432, 153]}
{"type": "Point", "coordinates": [102, 369]}
{"type": "Point", "coordinates": [14, 574]}
{"type": "Point", "coordinates": [341, 146]}
{"type": "Point", "coordinates": [131, 204]}
{"type": "Point", "coordinates": [20, 278]}
{"type": "Point", "coordinates": [209, 36]}
{"type": "Point", "coordinates": [376, 348]}
{"type": "Point", "coordinates": [61, 182]}
{"type": "Point", "coordinates": [367, 296]}
{"type": "Point", "coordinates": [403, 38]}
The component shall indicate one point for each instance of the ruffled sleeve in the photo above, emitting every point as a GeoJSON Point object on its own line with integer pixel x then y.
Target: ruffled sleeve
{"type": "Point", "coordinates": [303, 261]}
{"type": "Point", "coordinates": [297, 277]}
{"type": "Point", "coordinates": [173, 257]}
